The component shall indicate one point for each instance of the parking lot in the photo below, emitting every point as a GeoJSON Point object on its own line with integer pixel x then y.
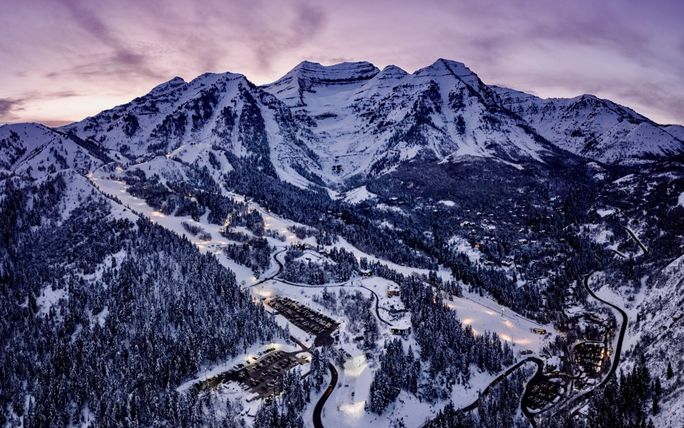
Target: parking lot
{"type": "Point", "coordinates": [261, 377]}
{"type": "Point", "coordinates": [544, 392]}
{"type": "Point", "coordinates": [303, 317]}
{"type": "Point", "coordinates": [590, 357]}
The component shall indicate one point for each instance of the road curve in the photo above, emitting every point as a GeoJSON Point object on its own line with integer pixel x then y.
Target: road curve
{"type": "Point", "coordinates": [318, 423]}
{"type": "Point", "coordinates": [270, 277]}
{"type": "Point", "coordinates": [618, 346]}
{"type": "Point", "coordinates": [377, 305]}
{"type": "Point", "coordinates": [499, 378]}
{"type": "Point", "coordinates": [638, 241]}
{"type": "Point", "coordinates": [616, 358]}
{"type": "Point", "coordinates": [623, 330]}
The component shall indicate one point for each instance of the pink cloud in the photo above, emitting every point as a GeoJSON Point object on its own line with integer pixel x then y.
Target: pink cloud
{"type": "Point", "coordinates": [116, 50]}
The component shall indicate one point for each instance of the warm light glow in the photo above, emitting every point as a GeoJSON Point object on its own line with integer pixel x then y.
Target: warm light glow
{"type": "Point", "coordinates": [264, 293]}
{"type": "Point", "coordinates": [488, 312]}
{"type": "Point", "coordinates": [354, 366]}
{"type": "Point", "coordinates": [158, 214]}
{"type": "Point", "coordinates": [508, 324]}
{"type": "Point", "coordinates": [353, 409]}
{"type": "Point", "coordinates": [506, 337]}
{"type": "Point", "coordinates": [467, 321]}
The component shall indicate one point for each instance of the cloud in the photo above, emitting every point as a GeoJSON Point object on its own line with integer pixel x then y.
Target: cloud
{"type": "Point", "coordinates": [122, 58]}
{"type": "Point", "coordinates": [8, 108]}
{"type": "Point", "coordinates": [18, 109]}
{"type": "Point", "coordinates": [624, 49]}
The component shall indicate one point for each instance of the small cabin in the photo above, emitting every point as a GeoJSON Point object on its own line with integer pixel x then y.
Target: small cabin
{"type": "Point", "coordinates": [401, 331]}
{"type": "Point", "coordinates": [393, 292]}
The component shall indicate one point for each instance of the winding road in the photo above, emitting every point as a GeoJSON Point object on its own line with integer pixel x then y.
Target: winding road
{"type": "Point", "coordinates": [618, 346]}
{"type": "Point", "coordinates": [623, 329]}
{"type": "Point", "coordinates": [578, 400]}
{"type": "Point", "coordinates": [280, 269]}
{"type": "Point", "coordinates": [638, 241]}
{"type": "Point", "coordinates": [499, 378]}
{"type": "Point", "coordinates": [318, 423]}
{"type": "Point", "coordinates": [573, 401]}
{"type": "Point", "coordinates": [377, 305]}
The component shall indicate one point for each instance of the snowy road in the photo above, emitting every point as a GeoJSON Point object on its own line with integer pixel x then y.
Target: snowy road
{"type": "Point", "coordinates": [317, 421]}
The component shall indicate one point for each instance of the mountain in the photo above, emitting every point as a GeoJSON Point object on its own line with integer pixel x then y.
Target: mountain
{"type": "Point", "coordinates": [436, 237]}
{"type": "Point", "coordinates": [366, 121]}
{"type": "Point", "coordinates": [326, 124]}
{"type": "Point", "coordinates": [595, 128]}
{"type": "Point", "coordinates": [208, 117]}
{"type": "Point", "coordinates": [34, 150]}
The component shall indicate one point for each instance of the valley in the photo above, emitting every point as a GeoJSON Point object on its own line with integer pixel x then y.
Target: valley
{"type": "Point", "coordinates": [344, 247]}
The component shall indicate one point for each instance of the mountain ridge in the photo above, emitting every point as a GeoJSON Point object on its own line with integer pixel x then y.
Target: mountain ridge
{"type": "Point", "coordinates": [331, 123]}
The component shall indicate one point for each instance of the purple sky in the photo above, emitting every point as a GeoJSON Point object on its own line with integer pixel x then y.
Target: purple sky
{"type": "Point", "coordinates": [61, 60]}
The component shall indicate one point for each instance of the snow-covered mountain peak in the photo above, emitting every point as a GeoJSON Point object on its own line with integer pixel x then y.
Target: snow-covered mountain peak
{"type": "Point", "coordinates": [593, 127]}
{"type": "Point", "coordinates": [34, 150]}
{"type": "Point", "coordinates": [446, 67]}
{"type": "Point", "coordinates": [392, 71]}
{"type": "Point", "coordinates": [207, 79]}
{"type": "Point", "coordinates": [307, 76]}
{"type": "Point", "coordinates": [340, 72]}
{"type": "Point", "coordinates": [334, 122]}
{"type": "Point", "coordinates": [168, 86]}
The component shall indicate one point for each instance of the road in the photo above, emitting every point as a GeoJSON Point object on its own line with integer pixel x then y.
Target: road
{"type": "Point", "coordinates": [377, 305]}
{"type": "Point", "coordinates": [578, 400]}
{"type": "Point", "coordinates": [623, 329]}
{"type": "Point", "coordinates": [318, 423]}
{"type": "Point", "coordinates": [618, 346]}
{"type": "Point", "coordinates": [633, 235]}
{"type": "Point", "coordinates": [278, 271]}
{"type": "Point", "coordinates": [499, 378]}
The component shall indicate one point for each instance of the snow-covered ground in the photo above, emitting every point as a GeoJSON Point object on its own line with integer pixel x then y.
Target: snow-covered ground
{"type": "Point", "coordinates": [359, 194]}
{"type": "Point", "coordinates": [486, 315]}
{"type": "Point", "coordinates": [345, 407]}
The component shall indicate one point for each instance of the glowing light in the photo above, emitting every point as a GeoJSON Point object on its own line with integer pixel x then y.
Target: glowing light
{"type": "Point", "coordinates": [157, 214]}
{"type": "Point", "coordinates": [354, 366]}
{"type": "Point", "coordinates": [488, 312]}
{"type": "Point", "coordinates": [508, 323]}
{"type": "Point", "coordinates": [275, 346]}
{"type": "Point", "coordinates": [506, 337]}
{"type": "Point", "coordinates": [353, 409]}
{"type": "Point", "coordinates": [467, 321]}
{"type": "Point", "coordinates": [264, 293]}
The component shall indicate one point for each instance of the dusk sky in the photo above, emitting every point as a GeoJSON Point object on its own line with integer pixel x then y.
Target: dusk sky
{"type": "Point", "coordinates": [62, 60]}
